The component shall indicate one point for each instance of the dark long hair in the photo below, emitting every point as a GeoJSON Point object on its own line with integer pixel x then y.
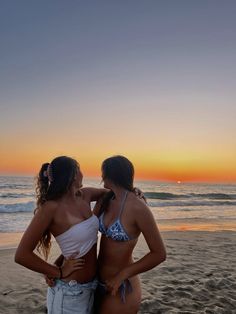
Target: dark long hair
{"type": "Point", "coordinates": [120, 171]}
{"type": "Point", "coordinates": [53, 181]}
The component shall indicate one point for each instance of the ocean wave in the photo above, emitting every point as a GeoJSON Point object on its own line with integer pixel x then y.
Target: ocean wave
{"type": "Point", "coordinates": [16, 195]}
{"type": "Point", "coordinates": [170, 196]}
{"type": "Point", "coordinates": [191, 204]}
{"type": "Point", "coordinates": [6, 186]}
{"type": "Point", "coordinates": [203, 219]}
{"type": "Point", "coordinates": [16, 208]}
{"type": "Point", "coordinates": [216, 196]}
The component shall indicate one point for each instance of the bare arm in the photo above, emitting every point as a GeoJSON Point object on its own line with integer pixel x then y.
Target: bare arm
{"type": "Point", "coordinates": [25, 252]}
{"type": "Point", "coordinates": [147, 225]}
{"type": "Point", "coordinates": [97, 207]}
{"type": "Point", "coordinates": [93, 194]}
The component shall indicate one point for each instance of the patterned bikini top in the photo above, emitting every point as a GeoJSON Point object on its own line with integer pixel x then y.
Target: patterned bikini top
{"type": "Point", "coordinates": [116, 230]}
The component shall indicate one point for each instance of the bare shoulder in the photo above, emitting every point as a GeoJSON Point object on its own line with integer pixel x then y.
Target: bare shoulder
{"type": "Point", "coordinates": [138, 205]}
{"type": "Point", "coordinates": [48, 208]}
{"type": "Point", "coordinates": [91, 194]}
{"type": "Point", "coordinates": [143, 217]}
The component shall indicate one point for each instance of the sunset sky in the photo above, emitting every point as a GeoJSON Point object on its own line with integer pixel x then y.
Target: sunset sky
{"type": "Point", "coordinates": [152, 80]}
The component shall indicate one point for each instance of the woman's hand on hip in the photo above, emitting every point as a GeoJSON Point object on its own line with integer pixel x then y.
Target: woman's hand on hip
{"type": "Point", "coordinates": [71, 264]}
{"type": "Point", "coordinates": [49, 281]}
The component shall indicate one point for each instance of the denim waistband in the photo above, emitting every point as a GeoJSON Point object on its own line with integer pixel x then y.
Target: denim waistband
{"type": "Point", "coordinates": [71, 297]}
{"type": "Point", "coordinates": [75, 285]}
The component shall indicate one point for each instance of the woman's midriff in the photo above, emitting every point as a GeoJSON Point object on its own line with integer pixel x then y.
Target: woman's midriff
{"type": "Point", "coordinates": [114, 256]}
{"type": "Point", "coordinates": [88, 272]}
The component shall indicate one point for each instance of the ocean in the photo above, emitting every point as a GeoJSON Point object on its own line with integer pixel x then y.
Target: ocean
{"type": "Point", "coordinates": [175, 206]}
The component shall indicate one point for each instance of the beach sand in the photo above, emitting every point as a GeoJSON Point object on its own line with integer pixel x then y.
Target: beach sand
{"type": "Point", "coordinates": [199, 276]}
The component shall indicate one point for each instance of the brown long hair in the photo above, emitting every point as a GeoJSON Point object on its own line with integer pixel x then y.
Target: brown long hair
{"type": "Point", "coordinates": [53, 181]}
{"type": "Point", "coordinates": [119, 170]}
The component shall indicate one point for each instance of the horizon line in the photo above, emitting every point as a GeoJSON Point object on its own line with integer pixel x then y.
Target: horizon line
{"type": "Point", "coordinates": [207, 181]}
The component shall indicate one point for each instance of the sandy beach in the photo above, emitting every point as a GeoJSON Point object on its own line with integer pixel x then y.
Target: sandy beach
{"type": "Point", "coordinates": [199, 276]}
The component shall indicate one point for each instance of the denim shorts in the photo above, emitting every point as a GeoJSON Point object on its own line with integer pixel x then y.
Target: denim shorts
{"type": "Point", "coordinates": [71, 297]}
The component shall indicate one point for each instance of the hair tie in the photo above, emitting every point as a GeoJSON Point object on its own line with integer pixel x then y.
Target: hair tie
{"type": "Point", "coordinates": [48, 173]}
{"type": "Point", "coordinates": [45, 173]}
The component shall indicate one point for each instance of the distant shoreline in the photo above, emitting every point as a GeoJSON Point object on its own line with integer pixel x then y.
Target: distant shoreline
{"type": "Point", "coordinates": [10, 240]}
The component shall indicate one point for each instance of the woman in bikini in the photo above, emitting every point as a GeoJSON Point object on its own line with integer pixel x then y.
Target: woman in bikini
{"type": "Point", "coordinates": [63, 210]}
{"type": "Point", "coordinates": [122, 218]}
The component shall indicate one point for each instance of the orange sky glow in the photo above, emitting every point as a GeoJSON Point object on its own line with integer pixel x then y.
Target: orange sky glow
{"type": "Point", "coordinates": [158, 88]}
{"type": "Point", "coordinates": [148, 168]}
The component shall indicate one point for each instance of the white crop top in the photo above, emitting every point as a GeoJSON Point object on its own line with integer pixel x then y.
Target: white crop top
{"type": "Point", "coordinates": [79, 238]}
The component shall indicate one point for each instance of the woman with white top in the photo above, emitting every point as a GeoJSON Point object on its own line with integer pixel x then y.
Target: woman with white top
{"type": "Point", "coordinates": [63, 210]}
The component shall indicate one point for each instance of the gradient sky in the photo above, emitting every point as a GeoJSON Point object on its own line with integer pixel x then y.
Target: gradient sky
{"type": "Point", "coordinates": [152, 80]}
